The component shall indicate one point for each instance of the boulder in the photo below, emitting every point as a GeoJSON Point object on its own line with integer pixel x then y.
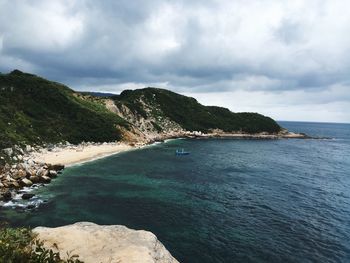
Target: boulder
{"type": "Point", "coordinates": [56, 167]}
{"type": "Point", "coordinates": [19, 149]}
{"type": "Point", "coordinates": [26, 182]}
{"type": "Point", "coordinates": [33, 172]}
{"type": "Point", "coordinates": [19, 174]}
{"type": "Point", "coordinates": [20, 166]}
{"type": "Point", "coordinates": [8, 151]}
{"type": "Point", "coordinates": [6, 196]}
{"type": "Point", "coordinates": [27, 196]}
{"type": "Point", "coordinates": [14, 184]}
{"type": "Point", "coordinates": [115, 243]}
{"type": "Point", "coordinates": [52, 174]}
{"type": "Point", "coordinates": [34, 179]}
{"type": "Point", "coordinates": [45, 179]}
{"type": "Point", "coordinates": [42, 172]}
{"type": "Point", "coordinates": [9, 178]}
{"type": "Point", "coordinates": [28, 148]}
{"type": "Point", "coordinates": [29, 173]}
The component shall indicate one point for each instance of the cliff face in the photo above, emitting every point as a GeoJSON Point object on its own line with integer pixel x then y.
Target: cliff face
{"type": "Point", "coordinates": [113, 244]}
{"type": "Point", "coordinates": [148, 123]}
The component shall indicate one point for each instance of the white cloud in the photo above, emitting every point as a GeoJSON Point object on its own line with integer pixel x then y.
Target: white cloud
{"type": "Point", "coordinates": [118, 88]}
{"type": "Point", "coordinates": [324, 105]}
{"type": "Point", "coordinates": [159, 35]}
{"type": "Point", "coordinates": [40, 26]}
{"type": "Point", "coordinates": [260, 49]}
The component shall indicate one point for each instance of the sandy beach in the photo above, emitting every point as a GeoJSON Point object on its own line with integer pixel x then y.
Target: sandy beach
{"type": "Point", "coordinates": [74, 154]}
{"type": "Point", "coordinates": [77, 154]}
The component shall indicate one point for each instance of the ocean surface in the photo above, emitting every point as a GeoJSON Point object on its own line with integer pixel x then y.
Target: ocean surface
{"type": "Point", "coordinates": [228, 201]}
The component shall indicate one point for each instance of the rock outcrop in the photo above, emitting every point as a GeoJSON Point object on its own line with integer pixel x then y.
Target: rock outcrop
{"type": "Point", "coordinates": [98, 244]}
{"type": "Point", "coordinates": [151, 125]}
{"type": "Point", "coordinates": [24, 173]}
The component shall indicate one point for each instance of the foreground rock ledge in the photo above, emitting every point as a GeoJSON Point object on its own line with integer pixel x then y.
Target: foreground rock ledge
{"type": "Point", "coordinates": [98, 244]}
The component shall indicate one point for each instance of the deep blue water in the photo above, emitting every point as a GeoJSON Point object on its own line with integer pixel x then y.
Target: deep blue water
{"type": "Point", "coordinates": [228, 201]}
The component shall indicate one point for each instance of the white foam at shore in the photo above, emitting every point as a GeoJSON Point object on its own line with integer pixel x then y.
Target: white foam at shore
{"type": "Point", "coordinates": [18, 202]}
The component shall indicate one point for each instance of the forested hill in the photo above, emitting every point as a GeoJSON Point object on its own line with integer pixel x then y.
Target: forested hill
{"type": "Point", "coordinates": [35, 111]}
{"type": "Point", "coordinates": [161, 104]}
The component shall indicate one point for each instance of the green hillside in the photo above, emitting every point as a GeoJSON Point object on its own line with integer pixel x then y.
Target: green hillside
{"type": "Point", "coordinates": [190, 114]}
{"type": "Point", "coordinates": [34, 110]}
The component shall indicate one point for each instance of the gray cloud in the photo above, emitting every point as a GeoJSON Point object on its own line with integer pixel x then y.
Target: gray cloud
{"type": "Point", "coordinates": [270, 47]}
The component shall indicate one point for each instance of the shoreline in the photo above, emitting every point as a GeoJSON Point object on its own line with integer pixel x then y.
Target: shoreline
{"type": "Point", "coordinates": [254, 136]}
{"type": "Point", "coordinates": [38, 166]}
{"type": "Point", "coordinates": [239, 135]}
{"type": "Point", "coordinates": [79, 154]}
{"type": "Point", "coordinates": [94, 158]}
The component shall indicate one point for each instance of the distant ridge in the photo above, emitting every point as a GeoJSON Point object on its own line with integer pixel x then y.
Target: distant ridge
{"type": "Point", "coordinates": [164, 110]}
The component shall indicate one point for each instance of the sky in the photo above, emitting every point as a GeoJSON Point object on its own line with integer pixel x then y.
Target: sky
{"type": "Point", "coordinates": [289, 60]}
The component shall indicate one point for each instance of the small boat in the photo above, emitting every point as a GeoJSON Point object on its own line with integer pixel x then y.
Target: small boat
{"type": "Point", "coordinates": [181, 152]}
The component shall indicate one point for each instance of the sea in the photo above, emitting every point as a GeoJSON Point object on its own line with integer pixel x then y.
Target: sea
{"type": "Point", "coordinates": [229, 200]}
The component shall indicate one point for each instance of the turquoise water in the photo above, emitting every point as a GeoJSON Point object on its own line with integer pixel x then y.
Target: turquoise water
{"type": "Point", "coordinates": [228, 201]}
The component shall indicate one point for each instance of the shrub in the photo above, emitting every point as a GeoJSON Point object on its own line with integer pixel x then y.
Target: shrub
{"type": "Point", "coordinates": [19, 245]}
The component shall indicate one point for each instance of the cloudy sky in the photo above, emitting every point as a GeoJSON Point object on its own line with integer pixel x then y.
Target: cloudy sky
{"type": "Point", "coordinates": [286, 59]}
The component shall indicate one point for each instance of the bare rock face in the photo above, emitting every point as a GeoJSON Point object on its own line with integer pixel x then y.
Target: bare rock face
{"type": "Point", "coordinates": [95, 244]}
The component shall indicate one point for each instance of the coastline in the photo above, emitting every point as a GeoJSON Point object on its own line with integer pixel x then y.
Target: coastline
{"type": "Point", "coordinates": [284, 134]}
{"type": "Point", "coordinates": [35, 166]}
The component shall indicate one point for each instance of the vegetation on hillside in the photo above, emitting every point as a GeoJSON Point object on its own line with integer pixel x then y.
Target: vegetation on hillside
{"type": "Point", "coordinates": [191, 115]}
{"type": "Point", "coordinates": [34, 110]}
{"type": "Point", "coordinates": [19, 245]}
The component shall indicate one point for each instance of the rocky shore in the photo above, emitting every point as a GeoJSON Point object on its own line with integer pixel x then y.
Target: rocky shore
{"type": "Point", "coordinates": [24, 172]}
{"type": "Point", "coordinates": [34, 166]}
{"type": "Point", "coordinates": [255, 136]}
{"type": "Point", "coordinates": [217, 133]}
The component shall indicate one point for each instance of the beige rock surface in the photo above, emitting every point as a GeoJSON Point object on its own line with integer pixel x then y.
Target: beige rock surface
{"type": "Point", "coordinates": [99, 244]}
